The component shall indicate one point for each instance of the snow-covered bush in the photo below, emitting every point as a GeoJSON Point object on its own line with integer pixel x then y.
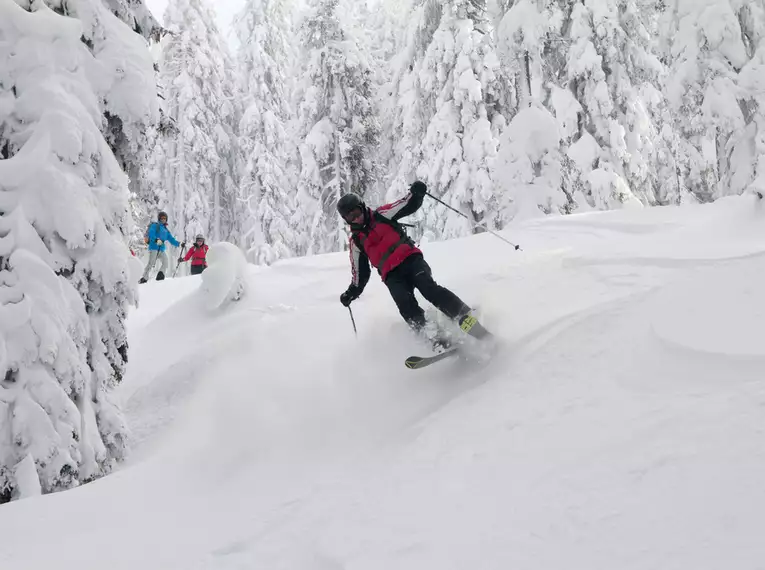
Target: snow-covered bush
{"type": "Point", "coordinates": [225, 278]}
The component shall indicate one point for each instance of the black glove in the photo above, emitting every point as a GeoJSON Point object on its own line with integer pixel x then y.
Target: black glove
{"type": "Point", "coordinates": [350, 295]}
{"type": "Point", "coordinates": [418, 189]}
{"type": "Point", "coordinates": [183, 244]}
{"type": "Point", "coordinates": [180, 260]}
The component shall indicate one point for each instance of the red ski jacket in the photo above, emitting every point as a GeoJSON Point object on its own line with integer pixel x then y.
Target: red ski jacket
{"type": "Point", "coordinates": [381, 244]}
{"type": "Point", "coordinates": [198, 255]}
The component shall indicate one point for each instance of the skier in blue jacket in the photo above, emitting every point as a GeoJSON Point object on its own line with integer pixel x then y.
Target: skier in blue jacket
{"type": "Point", "coordinates": [156, 237]}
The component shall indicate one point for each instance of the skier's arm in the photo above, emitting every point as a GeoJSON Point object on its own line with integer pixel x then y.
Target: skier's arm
{"type": "Point", "coordinates": [359, 275]}
{"type": "Point", "coordinates": [360, 271]}
{"type": "Point", "coordinates": [189, 253]}
{"type": "Point", "coordinates": [172, 240]}
{"type": "Point", "coordinates": [407, 205]}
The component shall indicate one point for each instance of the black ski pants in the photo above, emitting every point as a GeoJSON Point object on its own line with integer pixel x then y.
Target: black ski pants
{"type": "Point", "coordinates": [197, 269]}
{"type": "Point", "coordinates": [414, 273]}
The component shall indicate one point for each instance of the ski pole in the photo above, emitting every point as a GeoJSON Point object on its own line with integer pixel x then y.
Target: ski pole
{"type": "Point", "coordinates": [481, 225]}
{"type": "Point", "coordinates": [353, 321]}
{"type": "Point", "coordinates": [177, 265]}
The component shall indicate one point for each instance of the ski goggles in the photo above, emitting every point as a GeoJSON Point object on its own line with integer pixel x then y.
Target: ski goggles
{"type": "Point", "coordinates": [354, 215]}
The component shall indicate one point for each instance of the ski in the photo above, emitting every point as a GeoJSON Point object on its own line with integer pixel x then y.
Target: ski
{"type": "Point", "coordinates": [416, 362]}
{"type": "Point", "coordinates": [469, 325]}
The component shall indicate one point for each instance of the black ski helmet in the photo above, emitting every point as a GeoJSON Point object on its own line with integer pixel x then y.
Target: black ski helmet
{"type": "Point", "coordinates": [346, 204]}
{"type": "Point", "coordinates": [161, 215]}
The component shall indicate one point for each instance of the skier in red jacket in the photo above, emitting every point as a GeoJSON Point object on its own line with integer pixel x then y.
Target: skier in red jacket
{"type": "Point", "coordinates": [197, 254]}
{"type": "Point", "coordinates": [377, 238]}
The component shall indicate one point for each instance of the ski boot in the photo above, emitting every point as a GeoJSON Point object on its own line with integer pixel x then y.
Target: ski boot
{"type": "Point", "coordinates": [160, 276]}
{"type": "Point", "coordinates": [470, 325]}
{"type": "Point", "coordinates": [142, 280]}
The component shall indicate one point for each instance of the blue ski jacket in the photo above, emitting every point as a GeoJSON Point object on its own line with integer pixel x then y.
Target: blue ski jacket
{"type": "Point", "coordinates": [158, 235]}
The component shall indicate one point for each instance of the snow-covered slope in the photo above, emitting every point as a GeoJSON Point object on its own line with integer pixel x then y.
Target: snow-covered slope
{"type": "Point", "coordinates": [620, 426]}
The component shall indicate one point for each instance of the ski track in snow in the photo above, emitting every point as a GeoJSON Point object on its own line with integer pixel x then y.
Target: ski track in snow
{"type": "Point", "coordinates": [620, 425]}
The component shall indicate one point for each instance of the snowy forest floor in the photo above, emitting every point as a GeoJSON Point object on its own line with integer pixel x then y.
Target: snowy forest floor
{"type": "Point", "coordinates": [621, 425]}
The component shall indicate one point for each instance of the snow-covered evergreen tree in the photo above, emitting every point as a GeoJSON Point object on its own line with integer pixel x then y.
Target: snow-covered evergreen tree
{"type": "Point", "coordinates": [705, 53]}
{"type": "Point", "coordinates": [146, 190]}
{"type": "Point", "coordinates": [593, 66]}
{"type": "Point", "coordinates": [269, 181]}
{"type": "Point", "coordinates": [449, 94]}
{"type": "Point", "coordinates": [197, 170]}
{"type": "Point", "coordinates": [383, 24]}
{"type": "Point", "coordinates": [65, 280]}
{"type": "Point", "coordinates": [747, 154]}
{"type": "Point", "coordinates": [406, 106]}
{"type": "Point", "coordinates": [133, 143]}
{"type": "Point", "coordinates": [336, 126]}
{"type": "Point", "coordinates": [136, 15]}
{"type": "Point", "coordinates": [612, 74]}
{"type": "Point", "coordinates": [534, 173]}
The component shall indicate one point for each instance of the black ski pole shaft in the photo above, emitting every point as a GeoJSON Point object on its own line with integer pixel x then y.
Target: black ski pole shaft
{"type": "Point", "coordinates": [481, 225]}
{"type": "Point", "coordinates": [177, 265]}
{"type": "Point", "coordinates": [353, 322]}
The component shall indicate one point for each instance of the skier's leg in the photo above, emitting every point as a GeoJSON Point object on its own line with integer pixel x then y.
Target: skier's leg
{"type": "Point", "coordinates": [401, 289]}
{"type": "Point", "coordinates": [150, 264]}
{"type": "Point", "coordinates": [441, 297]}
{"type": "Point", "coordinates": [197, 269]}
{"type": "Point", "coordinates": [162, 266]}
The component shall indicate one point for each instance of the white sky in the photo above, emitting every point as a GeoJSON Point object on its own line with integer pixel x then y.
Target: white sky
{"type": "Point", "coordinates": [224, 9]}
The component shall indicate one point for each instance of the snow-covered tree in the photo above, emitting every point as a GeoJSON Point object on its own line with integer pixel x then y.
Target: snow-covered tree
{"type": "Point", "coordinates": [268, 181]}
{"type": "Point", "coordinates": [593, 66]}
{"type": "Point", "coordinates": [66, 72]}
{"type": "Point", "coordinates": [533, 173]}
{"type": "Point", "coordinates": [705, 53]}
{"type": "Point", "coordinates": [336, 126]}
{"type": "Point", "coordinates": [133, 144]}
{"type": "Point", "coordinates": [382, 24]}
{"type": "Point", "coordinates": [136, 15]}
{"type": "Point", "coordinates": [146, 189]}
{"type": "Point", "coordinates": [406, 106]}
{"type": "Point", "coordinates": [747, 154]}
{"type": "Point", "coordinates": [449, 94]}
{"type": "Point", "coordinates": [613, 74]}
{"type": "Point", "coordinates": [197, 170]}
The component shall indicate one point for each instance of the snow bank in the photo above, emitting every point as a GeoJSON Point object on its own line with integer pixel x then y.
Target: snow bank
{"type": "Point", "coordinates": [225, 277]}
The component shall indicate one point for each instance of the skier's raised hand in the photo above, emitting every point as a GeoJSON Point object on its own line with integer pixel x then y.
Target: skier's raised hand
{"type": "Point", "coordinates": [418, 188]}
